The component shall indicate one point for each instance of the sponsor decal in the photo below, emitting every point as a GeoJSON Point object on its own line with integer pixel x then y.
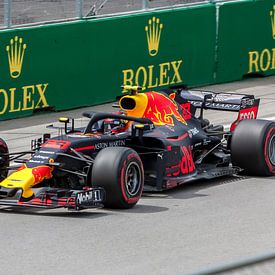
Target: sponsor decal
{"type": "Point", "coordinates": [16, 50]}
{"type": "Point", "coordinates": [226, 106]}
{"type": "Point", "coordinates": [153, 33]}
{"type": "Point", "coordinates": [87, 197]}
{"type": "Point", "coordinates": [167, 73]}
{"type": "Point", "coordinates": [21, 98]}
{"type": "Point", "coordinates": [192, 132]}
{"type": "Point", "coordinates": [41, 157]}
{"type": "Point", "coordinates": [261, 61]}
{"type": "Point", "coordinates": [41, 173]}
{"type": "Point", "coordinates": [154, 75]}
{"type": "Point", "coordinates": [221, 97]}
{"type": "Point", "coordinates": [36, 161]}
{"type": "Point", "coordinates": [116, 143]}
{"type": "Point", "coordinates": [215, 105]}
{"type": "Point", "coordinates": [264, 60]}
{"type": "Point", "coordinates": [47, 152]}
{"type": "Point", "coordinates": [248, 113]}
{"type": "Point", "coordinates": [162, 110]}
{"type": "Point", "coordinates": [246, 102]}
{"type": "Point", "coordinates": [186, 164]}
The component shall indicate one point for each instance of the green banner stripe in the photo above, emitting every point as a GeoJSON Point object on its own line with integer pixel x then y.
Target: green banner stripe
{"type": "Point", "coordinates": [75, 64]}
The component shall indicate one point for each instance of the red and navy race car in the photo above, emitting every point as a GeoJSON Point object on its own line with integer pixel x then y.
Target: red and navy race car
{"type": "Point", "coordinates": [155, 141]}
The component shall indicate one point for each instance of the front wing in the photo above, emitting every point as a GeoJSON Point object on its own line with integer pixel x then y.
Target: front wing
{"type": "Point", "coordinates": [52, 198]}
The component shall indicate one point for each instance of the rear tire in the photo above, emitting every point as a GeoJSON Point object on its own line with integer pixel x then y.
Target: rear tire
{"type": "Point", "coordinates": [119, 171]}
{"type": "Point", "coordinates": [253, 147]}
{"type": "Point", "coordinates": [4, 160]}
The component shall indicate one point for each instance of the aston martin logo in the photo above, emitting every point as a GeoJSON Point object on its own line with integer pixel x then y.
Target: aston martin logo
{"type": "Point", "coordinates": [153, 32]}
{"type": "Point", "coordinates": [16, 50]}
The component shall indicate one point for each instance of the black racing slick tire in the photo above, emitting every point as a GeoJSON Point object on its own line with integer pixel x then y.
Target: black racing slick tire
{"type": "Point", "coordinates": [4, 159]}
{"type": "Point", "coordinates": [253, 147]}
{"type": "Point", "coordinates": [119, 171]}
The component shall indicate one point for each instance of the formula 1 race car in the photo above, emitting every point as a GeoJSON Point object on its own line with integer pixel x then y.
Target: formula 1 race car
{"type": "Point", "coordinates": [155, 141]}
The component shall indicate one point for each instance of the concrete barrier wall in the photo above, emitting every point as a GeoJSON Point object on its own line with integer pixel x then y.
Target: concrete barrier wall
{"type": "Point", "coordinates": [246, 39]}
{"type": "Point", "coordinates": [84, 63]}
{"type": "Point", "coordinates": [63, 66]}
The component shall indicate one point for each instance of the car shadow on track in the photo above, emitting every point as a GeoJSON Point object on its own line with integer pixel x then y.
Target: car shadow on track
{"type": "Point", "coordinates": [87, 214]}
{"type": "Point", "coordinates": [191, 190]}
{"type": "Point", "coordinates": [140, 209]}
{"type": "Point", "coordinates": [91, 214]}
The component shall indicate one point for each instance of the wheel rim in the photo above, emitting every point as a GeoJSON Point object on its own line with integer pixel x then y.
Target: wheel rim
{"type": "Point", "coordinates": [133, 179]}
{"type": "Point", "coordinates": [271, 150]}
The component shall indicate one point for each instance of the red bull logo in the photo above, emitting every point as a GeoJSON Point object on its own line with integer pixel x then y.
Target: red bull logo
{"type": "Point", "coordinates": [159, 108]}
{"type": "Point", "coordinates": [41, 173]}
{"type": "Point", "coordinates": [162, 110]}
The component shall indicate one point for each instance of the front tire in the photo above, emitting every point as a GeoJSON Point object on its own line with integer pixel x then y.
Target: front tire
{"type": "Point", "coordinates": [119, 171]}
{"type": "Point", "coordinates": [253, 147]}
{"type": "Point", "coordinates": [4, 159]}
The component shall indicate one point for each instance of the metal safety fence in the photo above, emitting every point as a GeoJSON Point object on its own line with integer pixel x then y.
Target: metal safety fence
{"type": "Point", "coordinates": [24, 12]}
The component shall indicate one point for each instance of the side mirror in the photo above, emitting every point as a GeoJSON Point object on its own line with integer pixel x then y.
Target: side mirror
{"type": "Point", "coordinates": [66, 121]}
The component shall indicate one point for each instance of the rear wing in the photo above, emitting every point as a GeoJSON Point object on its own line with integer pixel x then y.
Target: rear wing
{"type": "Point", "coordinates": [218, 101]}
{"type": "Point", "coordinates": [246, 105]}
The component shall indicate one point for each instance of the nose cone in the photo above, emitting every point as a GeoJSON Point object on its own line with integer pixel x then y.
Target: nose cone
{"type": "Point", "coordinates": [26, 178]}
